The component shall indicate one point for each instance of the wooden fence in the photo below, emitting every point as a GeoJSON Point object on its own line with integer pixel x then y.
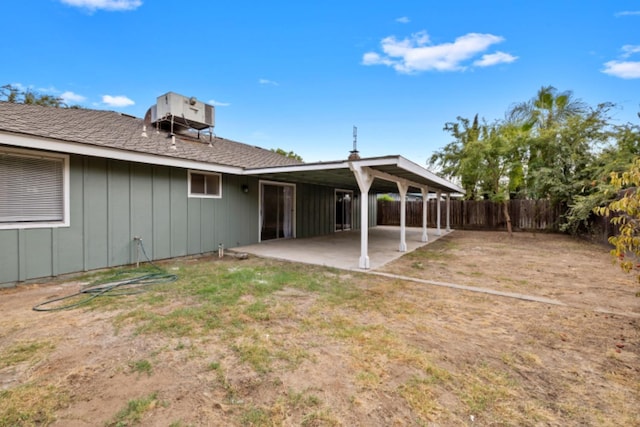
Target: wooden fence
{"type": "Point", "coordinates": [474, 214]}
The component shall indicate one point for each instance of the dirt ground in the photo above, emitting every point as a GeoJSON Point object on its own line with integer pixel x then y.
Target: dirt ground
{"type": "Point", "coordinates": [406, 353]}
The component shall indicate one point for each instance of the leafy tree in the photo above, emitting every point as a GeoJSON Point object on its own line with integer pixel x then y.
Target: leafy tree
{"type": "Point", "coordinates": [564, 135]}
{"type": "Point", "coordinates": [563, 170]}
{"type": "Point", "coordinates": [289, 154]}
{"type": "Point", "coordinates": [547, 108]}
{"type": "Point", "coordinates": [487, 158]}
{"type": "Point", "coordinates": [616, 157]}
{"type": "Point", "coordinates": [385, 198]}
{"type": "Point", "coordinates": [626, 210]}
{"type": "Point", "coordinates": [550, 147]}
{"type": "Point", "coordinates": [461, 158]}
{"type": "Point", "coordinates": [16, 95]}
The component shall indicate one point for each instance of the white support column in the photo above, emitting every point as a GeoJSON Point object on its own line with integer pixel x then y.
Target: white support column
{"type": "Point", "coordinates": [448, 212]}
{"type": "Point", "coordinates": [439, 212]}
{"type": "Point", "coordinates": [364, 179]}
{"type": "Point", "coordinates": [402, 189]}
{"type": "Point", "coordinates": [425, 207]}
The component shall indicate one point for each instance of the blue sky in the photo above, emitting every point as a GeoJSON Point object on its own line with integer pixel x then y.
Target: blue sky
{"type": "Point", "coordinates": [299, 75]}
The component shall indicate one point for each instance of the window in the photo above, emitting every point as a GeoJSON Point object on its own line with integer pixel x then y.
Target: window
{"type": "Point", "coordinates": [34, 189]}
{"type": "Point", "coordinates": [203, 184]}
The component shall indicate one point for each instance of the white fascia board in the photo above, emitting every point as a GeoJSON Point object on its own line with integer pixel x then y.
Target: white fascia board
{"type": "Point", "coordinates": [377, 161]}
{"type": "Point", "coordinates": [410, 166]}
{"type": "Point", "coordinates": [307, 167]}
{"type": "Point", "coordinates": [45, 144]}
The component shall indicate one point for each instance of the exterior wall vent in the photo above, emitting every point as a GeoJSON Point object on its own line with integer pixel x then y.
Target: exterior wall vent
{"type": "Point", "coordinates": [183, 111]}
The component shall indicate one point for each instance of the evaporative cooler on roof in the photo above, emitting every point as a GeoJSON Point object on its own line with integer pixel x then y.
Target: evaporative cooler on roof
{"type": "Point", "coordinates": [184, 111]}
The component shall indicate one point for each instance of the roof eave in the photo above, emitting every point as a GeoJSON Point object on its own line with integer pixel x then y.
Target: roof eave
{"type": "Point", "coordinates": [69, 147]}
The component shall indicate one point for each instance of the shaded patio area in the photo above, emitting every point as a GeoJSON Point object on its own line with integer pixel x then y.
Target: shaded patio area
{"type": "Point", "coordinates": [342, 249]}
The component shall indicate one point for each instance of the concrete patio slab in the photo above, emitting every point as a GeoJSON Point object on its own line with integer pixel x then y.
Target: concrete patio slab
{"type": "Point", "coordinates": [342, 249]}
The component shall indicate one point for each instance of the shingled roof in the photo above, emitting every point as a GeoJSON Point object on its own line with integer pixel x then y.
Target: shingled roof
{"type": "Point", "coordinates": [109, 129]}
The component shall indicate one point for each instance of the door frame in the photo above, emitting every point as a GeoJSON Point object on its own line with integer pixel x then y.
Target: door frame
{"type": "Point", "coordinates": [261, 184]}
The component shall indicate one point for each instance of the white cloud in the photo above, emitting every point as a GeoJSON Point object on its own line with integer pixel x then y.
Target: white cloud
{"type": "Point", "coordinates": [70, 97]}
{"type": "Point", "coordinates": [416, 53]}
{"type": "Point", "coordinates": [372, 58]}
{"type": "Point", "coordinates": [267, 82]}
{"type": "Point", "coordinates": [110, 5]}
{"type": "Point", "coordinates": [117, 101]}
{"type": "Point", "coordinates": [623, 69]}
{"type": "Point", "coordinates": [628, 50]}
{"type": "Point", "coordinates": [218, 103]}
{"type": "Point", "coordinates": [403, 20]}
{"type": "Point", "coordinates": [490, 59]}
{"type": "Point", "coordinates": [628, 13]}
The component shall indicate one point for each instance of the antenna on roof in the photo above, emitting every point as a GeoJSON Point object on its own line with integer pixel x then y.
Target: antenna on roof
{"type": "Point", "coordinates": [353, 154]}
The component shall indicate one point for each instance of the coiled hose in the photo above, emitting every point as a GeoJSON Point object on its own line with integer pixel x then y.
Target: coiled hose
{"type": "Point", "coordinates": [115, 287]}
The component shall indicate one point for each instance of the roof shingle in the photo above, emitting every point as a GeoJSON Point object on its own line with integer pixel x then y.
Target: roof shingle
{"type": "Point", "coordinates": [123, 132]}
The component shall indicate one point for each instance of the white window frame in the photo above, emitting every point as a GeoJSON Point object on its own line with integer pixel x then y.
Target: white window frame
{"type": "Point", "coordinates": [65, 222]}
{"type": "Point", "coordinates": [204, 196]}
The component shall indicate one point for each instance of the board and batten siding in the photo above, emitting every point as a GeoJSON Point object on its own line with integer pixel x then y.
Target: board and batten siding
{"type": "Point", "coordinates": [316, 210]}
{"type": "Point", "coordinates": [113, 201]}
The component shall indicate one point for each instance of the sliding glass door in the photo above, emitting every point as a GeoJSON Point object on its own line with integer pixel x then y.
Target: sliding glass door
{"type": "Point", "coordinates": [276, 211]}
{"type": "Point", "coordinates": [344, 200]}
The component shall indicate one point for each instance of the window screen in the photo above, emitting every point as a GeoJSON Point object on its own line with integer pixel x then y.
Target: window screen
{"type": "Point", "coordinates": [31, 189]}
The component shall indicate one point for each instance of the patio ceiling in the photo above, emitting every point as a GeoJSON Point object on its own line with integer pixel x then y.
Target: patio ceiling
{"type": "Point", "coordinates": [339, 174]}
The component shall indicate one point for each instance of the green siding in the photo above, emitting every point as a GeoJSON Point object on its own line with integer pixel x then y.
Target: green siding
{"type": "Point", "coordinates": [38, 244]}
{"type": "Point", "coordinates": [141, 220]}
{"type": "Point", "coordinates": [119, 211]}
{"type": "Point", "coordinates": [161, 243]}
{"type": "Point", "coordinates": [208, 226]}
{"type": "Point", "coordinates": [194, 212]}
{"type": "Point", "coordinates": [96, 212]}
{"type": "Point", "coordinates": [9, 256]}
{"type": "Point", "coordinates": [239, 212]}
{"type": "Point", "coordinates": [373, 210]}
{"type": "Point", "coordinates": [70, 241]}
{"type": "Point", "coordinates": [179, 227]}
{"type": "Point", "coordinates": [113, 201]}
{"type": "Point", "coordinates": [315, 210]}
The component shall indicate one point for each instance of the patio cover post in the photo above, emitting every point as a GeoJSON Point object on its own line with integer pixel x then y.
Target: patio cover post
{"type": "Point", "coordinates": [425, 195]}
{"type": "Point", "coordinates": [402, 189]}
{"type": "Point", "coordinates": [438, 211]}
{"type": "Point", "coordinates": [364, 179]}
{"type": "Point", "coordinates": [448, 212]}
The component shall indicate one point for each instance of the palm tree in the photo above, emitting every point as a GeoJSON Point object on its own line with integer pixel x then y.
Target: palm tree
{"type": "Point", "coordinates": [548, 115]}
{"type": "Point", "coordinates": [548, 108]}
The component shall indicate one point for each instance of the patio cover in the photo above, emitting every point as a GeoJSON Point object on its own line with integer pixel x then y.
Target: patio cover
{"type": "Point", "coordinates": [389, 174]}
{"type": "Point", "coordinates": [339, 174]}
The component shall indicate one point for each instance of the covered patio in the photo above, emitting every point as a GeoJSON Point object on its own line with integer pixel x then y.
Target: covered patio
{"type": "Point", "coordinates": [371, 176]}
{"type": "Point", "coordinates": [342, 250]}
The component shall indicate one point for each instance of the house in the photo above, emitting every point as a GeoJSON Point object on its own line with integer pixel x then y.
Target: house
{"type": "Point", "coordinates": [79, 187]}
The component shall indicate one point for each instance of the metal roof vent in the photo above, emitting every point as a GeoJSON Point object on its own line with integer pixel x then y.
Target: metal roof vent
{"type": "Point", "coordinates": [186, 112]}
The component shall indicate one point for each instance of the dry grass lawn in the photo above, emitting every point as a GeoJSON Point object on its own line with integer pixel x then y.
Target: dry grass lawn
{"type": "Point", "coordinates": [264, 343]}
